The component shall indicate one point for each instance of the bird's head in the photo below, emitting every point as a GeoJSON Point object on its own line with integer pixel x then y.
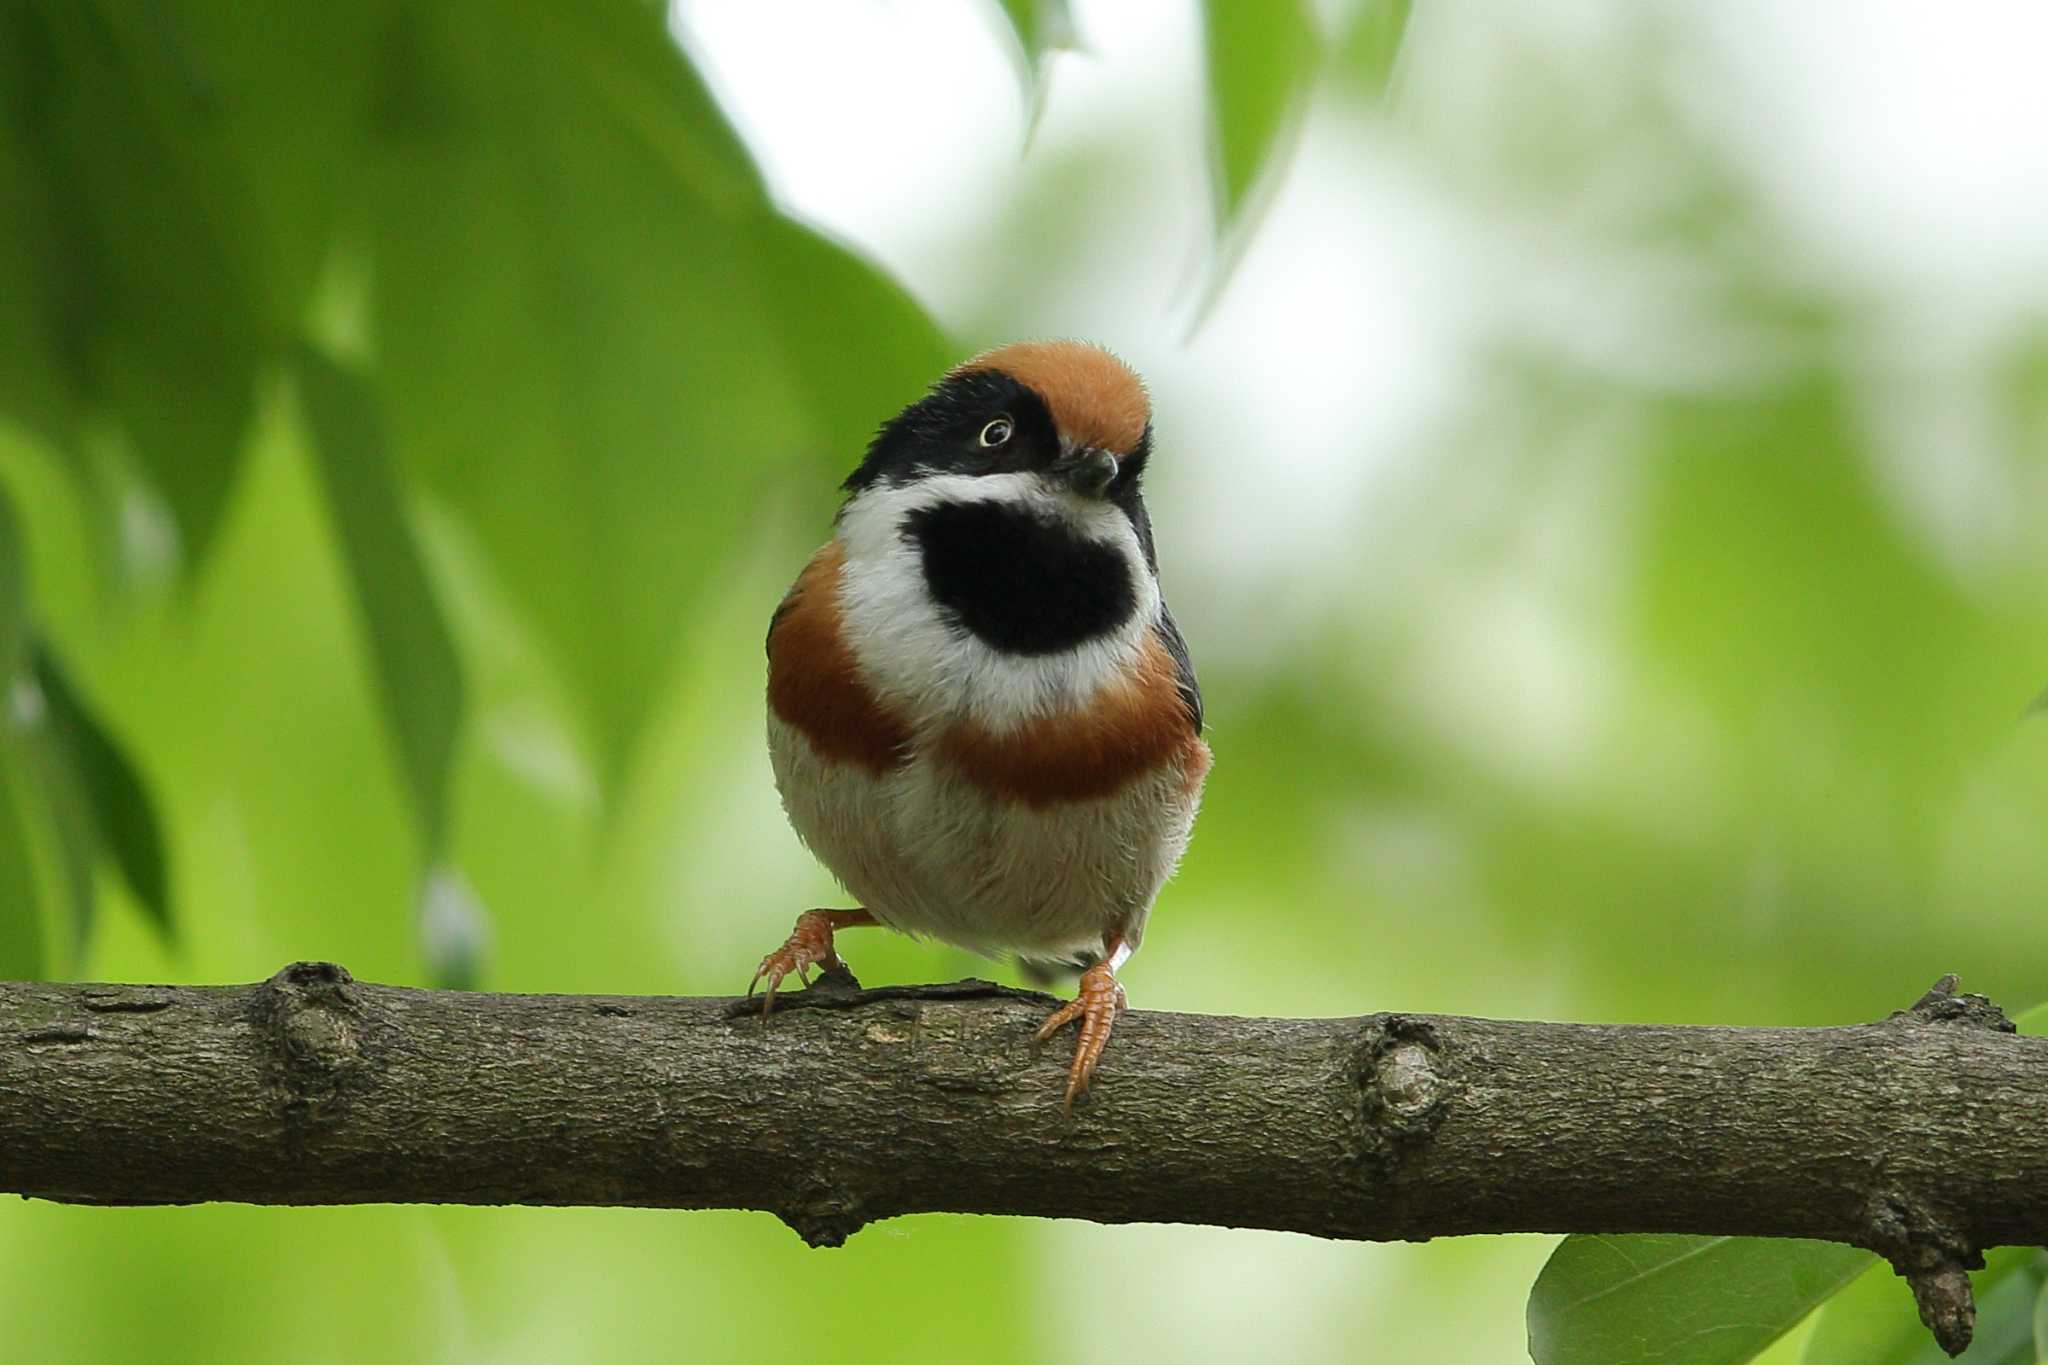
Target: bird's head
{"type": "Point", "coordinates": [1068, 416]}
{"type": "Point", "coordinates": [1007, 500]}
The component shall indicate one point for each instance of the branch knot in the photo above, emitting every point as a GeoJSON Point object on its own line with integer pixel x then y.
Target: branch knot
{"type": "Point", "coordinates": [826, 1216]}
{"type": "Point", "coordinates": [310, 1014]}
{"type": "Point", "coordinates": [1942, 1005]}
{"type": "Point", "coordinates": [1403, 1088]}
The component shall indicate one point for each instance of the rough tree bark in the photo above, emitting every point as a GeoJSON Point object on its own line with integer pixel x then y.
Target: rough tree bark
{"type": "Point", "coordinates": [1920, 1137]}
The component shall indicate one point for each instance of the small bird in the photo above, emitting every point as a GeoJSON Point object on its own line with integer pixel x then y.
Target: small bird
{"type": "Point", "coordinates": [982, 717]}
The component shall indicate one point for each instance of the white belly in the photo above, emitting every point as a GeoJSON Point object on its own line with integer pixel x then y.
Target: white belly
{"type": "Point", "coordinates": [929, 853]}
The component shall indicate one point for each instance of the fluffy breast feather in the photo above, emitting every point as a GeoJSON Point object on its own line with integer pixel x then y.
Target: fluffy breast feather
{"type": "Point", "coordinates": [1040, 831]}
{"type": "Point", "coordinates": [814, 682]}
{"type": "Point", "coordinates": [1133, 723]}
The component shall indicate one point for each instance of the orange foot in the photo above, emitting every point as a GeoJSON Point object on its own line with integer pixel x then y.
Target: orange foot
{"type": "Point", "coordinates": [808, 945]}
{"type": "Point", "coordinates": [1098, 1003]}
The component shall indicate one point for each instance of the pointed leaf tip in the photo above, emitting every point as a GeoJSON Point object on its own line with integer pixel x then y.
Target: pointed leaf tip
{"type": "Point", "coordinates": [1043, 27]}
{"type": "Point", "coordinates": [96, 786]}
{"type": "Point", "coordinates": [1371, 43]}
{"type": "Point", "coordinates": [1261, 58]}
{"type": "Point", "coordinates": [412, 651]}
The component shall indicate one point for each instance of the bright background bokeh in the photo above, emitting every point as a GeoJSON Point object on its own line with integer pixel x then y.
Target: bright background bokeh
{"type": "Point", "coordinates": [1604, 480]}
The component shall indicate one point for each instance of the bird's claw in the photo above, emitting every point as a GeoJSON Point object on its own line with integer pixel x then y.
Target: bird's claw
{"type": "Point", "coordinates": [809, 945]}
{"type": "Point", "coordinates": [1098, 1002]}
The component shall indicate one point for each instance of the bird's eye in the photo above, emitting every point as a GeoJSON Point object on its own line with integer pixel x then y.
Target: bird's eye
{"type": "Point", "coordinates": [997, 431]}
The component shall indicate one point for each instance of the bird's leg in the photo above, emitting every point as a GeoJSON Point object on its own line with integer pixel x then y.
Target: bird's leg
{"type": "Point", "coordinates": [1097, 1003]}
{"type": "Point", "coordinates": [809, 945]}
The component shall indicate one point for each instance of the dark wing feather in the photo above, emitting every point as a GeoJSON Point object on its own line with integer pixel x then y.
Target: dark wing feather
{"type": "Point", "coordinates": [1183, 666]}
{"type": "Point", "coordinates": [781, 610]}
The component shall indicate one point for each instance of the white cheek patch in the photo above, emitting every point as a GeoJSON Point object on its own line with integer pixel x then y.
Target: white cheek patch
{"type": "Point", "coordinates": [914, 655]}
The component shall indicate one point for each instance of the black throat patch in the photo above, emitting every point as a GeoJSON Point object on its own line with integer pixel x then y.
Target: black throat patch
{"type": "Point", "coordinates": [1022, 583]}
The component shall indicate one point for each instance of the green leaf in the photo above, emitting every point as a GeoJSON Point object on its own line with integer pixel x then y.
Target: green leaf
{"type": "Point", "coordinates": [2034, 1023]}
{"type": "Point", "coordinates": [1874, 1320]}
{"type": "Point", "coordinates": [58, 792]}
{"type": "Point", "coordinates": [1676, 1300]}
{"type": "Point", "coordinates": [98, 798]}
{"type": "Point", "coordinates": [62, 763]}
{"type": "Point", "coordinates": [2007, 1291]}
{"type": "Point", "coordinates": [598, 341]}
{"type": "Point", "coordinates": [13, 595]}
{"type": "Point", "coordinates": [1262, 54]}
{"type": "Point", "coordinates": [170, 177]}
{"type": "Point", "coordinates": [1369, 44]}
{"type": "Point", "coordinates": [272, 119]}
{"type": "Point", "coordinates": [414, 658]}
{"type": "Point", "coordinates": [34, 386]}
{"type": "Point", "coordinates": [21, 921]}
{"type": "Point", "coordinates": [2041, 1323]}
{"type": "Point", "coordinates": [144, 295]}
{"type": "Point", "coordinates": [843, 403]}
{"type": "Point", "coordinates": [1043, 27]}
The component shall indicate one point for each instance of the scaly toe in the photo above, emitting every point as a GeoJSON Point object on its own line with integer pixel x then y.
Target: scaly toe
{"type": "Point", "coordinates": [1059, 1019]}
{"type": "Point", "coordinates": [1100, 1001]}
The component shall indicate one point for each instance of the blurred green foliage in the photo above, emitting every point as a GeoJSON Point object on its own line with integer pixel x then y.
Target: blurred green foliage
{"type": "Point", "coordinates": [1042, 28]}
{"type": "Point", "coordinates": [1259, 54]}
{"type": "Point", "coordinates": [532, 233]}
{"type": "Point", "coordinates": [411, 415]}
{"type": "Point", "coordinates": [1872, 1322]}
{"type": "Point", "coordinates": [1264, 57]}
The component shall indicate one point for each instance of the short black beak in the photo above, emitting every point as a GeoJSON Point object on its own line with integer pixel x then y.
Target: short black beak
{"type": "Point", "coordinates": [1088, 472]}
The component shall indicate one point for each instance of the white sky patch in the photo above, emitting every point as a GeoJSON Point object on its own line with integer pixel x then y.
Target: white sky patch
{"type": "Point", "coordinates": [1941, 450]}
{"type": "Point", "coordinates": [1510, 673]}
{"type": "Point", "coordinates": [1906, 144]}
{"type": "Point", "coordinates": [1906, 155]}
{"type": "Point", "coordinates": [1306, 387]}
{"type": "Point", "coordinates": [893, 123]}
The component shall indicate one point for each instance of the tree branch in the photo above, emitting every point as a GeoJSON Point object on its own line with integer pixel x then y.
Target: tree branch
{"type": "Point", "coordinates": [1919, 1137]}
